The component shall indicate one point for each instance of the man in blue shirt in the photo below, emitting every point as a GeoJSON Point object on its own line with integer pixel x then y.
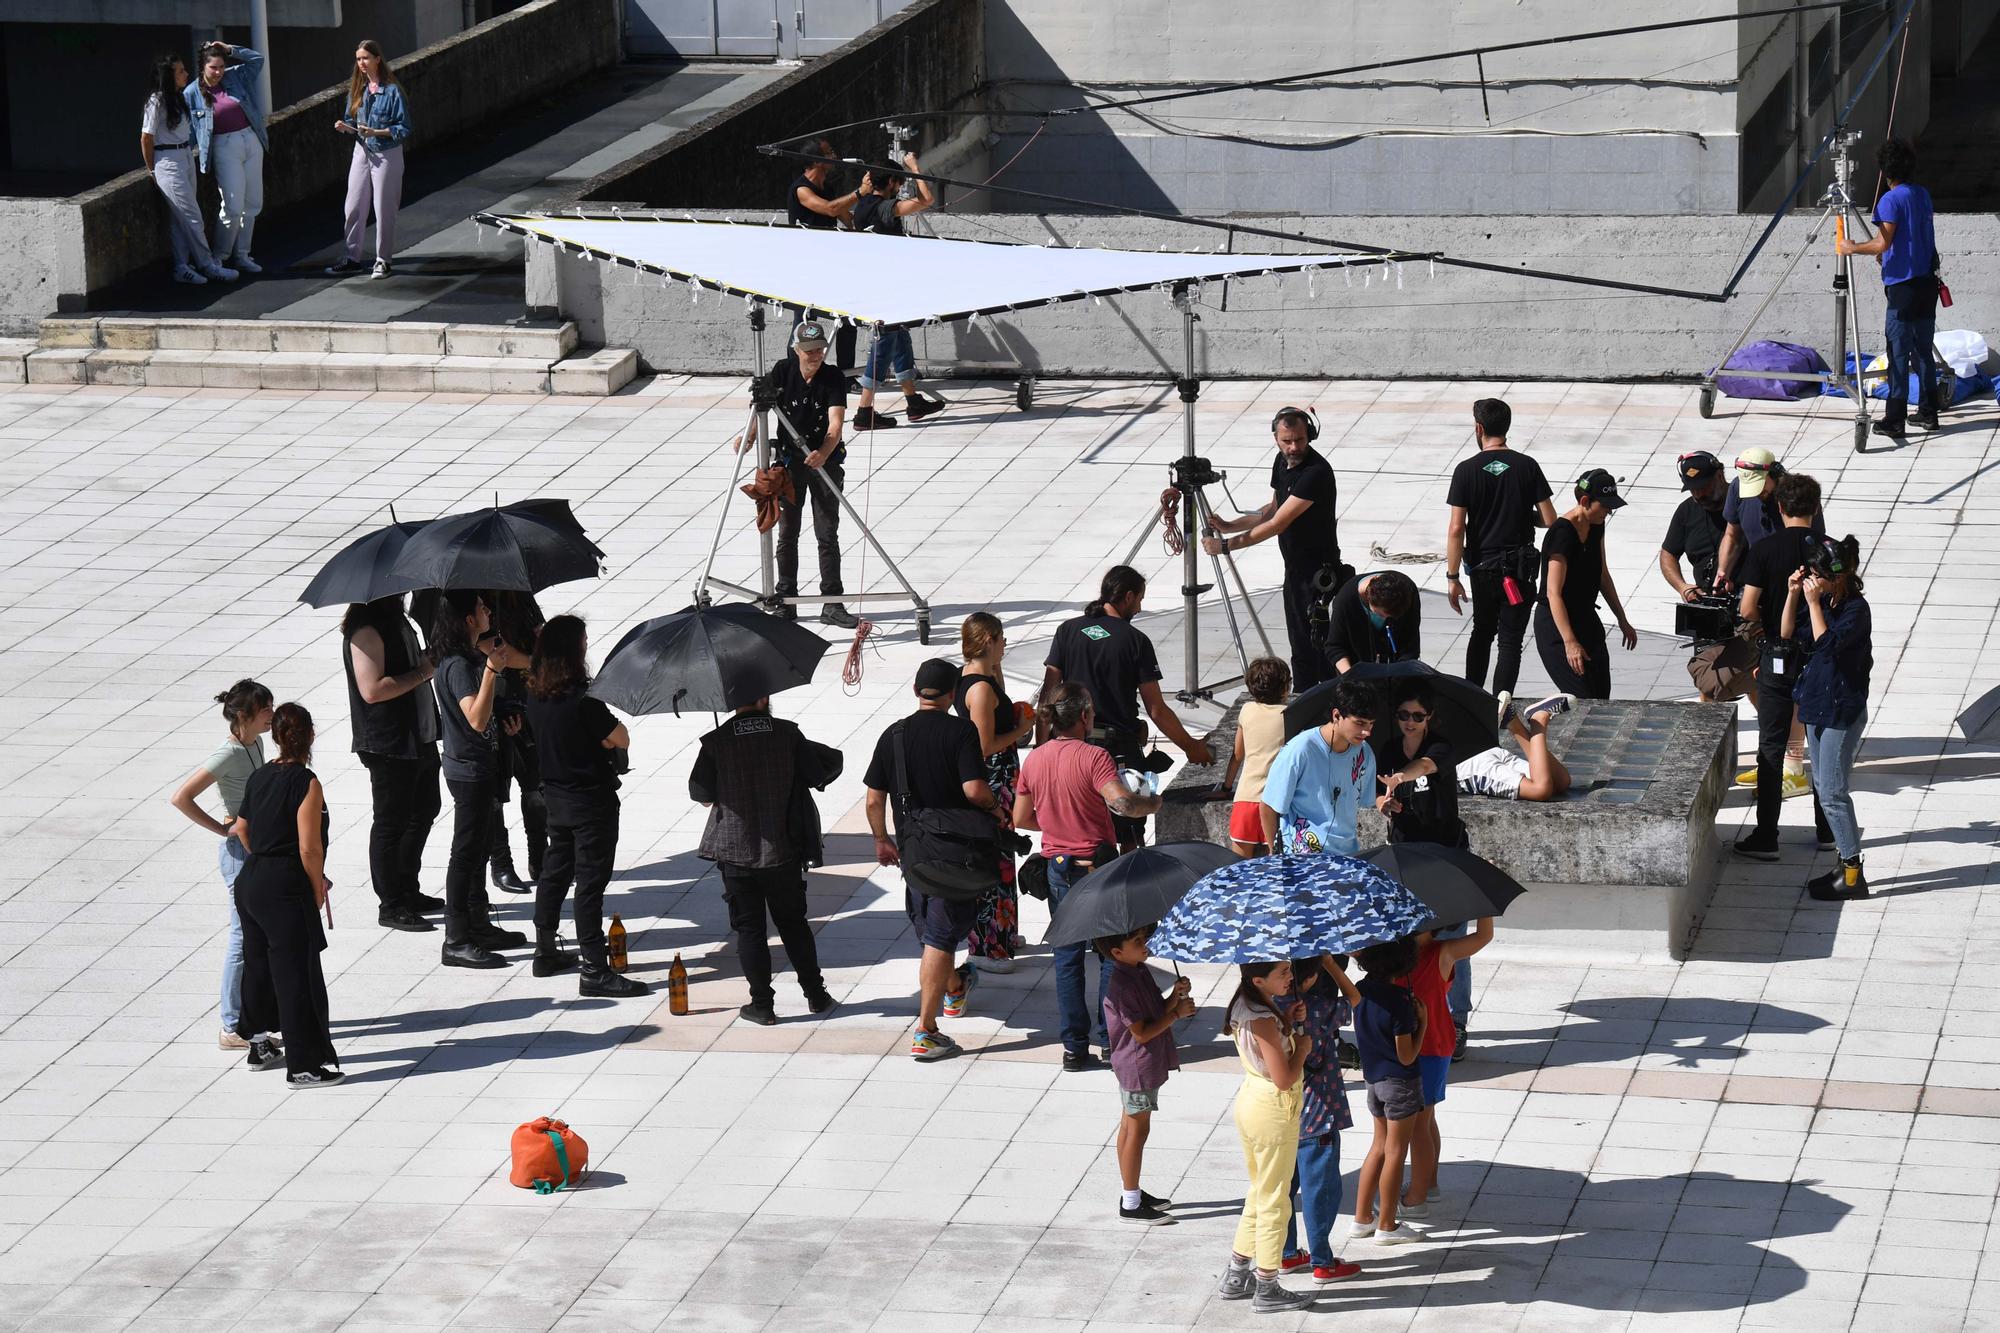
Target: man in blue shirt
{"type": "Point", "coordinates": [1907, 251]}
{"type": "Point", "coordinates": [1319, 779]}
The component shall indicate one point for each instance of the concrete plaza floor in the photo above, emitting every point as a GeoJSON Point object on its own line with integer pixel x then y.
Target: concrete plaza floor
{"type": "Point", "coordinates": [1797, 1127]}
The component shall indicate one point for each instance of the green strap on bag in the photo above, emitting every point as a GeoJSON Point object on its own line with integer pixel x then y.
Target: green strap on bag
{"type": "Point", "coordinates": [562, 1160]}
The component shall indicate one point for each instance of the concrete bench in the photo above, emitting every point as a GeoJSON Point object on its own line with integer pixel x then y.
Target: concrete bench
{"type": "Point", "coordinates": [1623, 867]}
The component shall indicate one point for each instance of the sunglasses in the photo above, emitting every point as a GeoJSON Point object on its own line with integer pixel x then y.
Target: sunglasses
{"type": "Point", "coordinates": [1403, 716]}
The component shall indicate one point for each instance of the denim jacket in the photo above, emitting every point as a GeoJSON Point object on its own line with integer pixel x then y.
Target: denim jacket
{"type": "Point", "coordinates": [1833, 685]}
{"type": "Point", "coordinates": [385, 110]}
{"type": "Point", "coordinates": [240, 82]}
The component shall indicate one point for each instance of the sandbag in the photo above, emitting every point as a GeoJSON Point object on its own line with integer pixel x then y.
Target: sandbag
{"type": "Point", "coordinates": [548, 1156]}
{"type": "Point", "coordinates": [1767, 356]}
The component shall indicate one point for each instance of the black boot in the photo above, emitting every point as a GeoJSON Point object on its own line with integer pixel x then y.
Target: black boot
{"type": "Point", "coordinates": [549, 959]}
{"type": "Point", "coordinates": [502, 856]}
{"type": "Point", "coordinates": [1839, 884]}
{"type": "Point", "coordinates": [595, 977]}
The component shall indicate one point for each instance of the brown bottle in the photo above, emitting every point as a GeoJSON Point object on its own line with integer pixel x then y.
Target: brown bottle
{"type": "Point", "coordinates": [677, 987]}
{"type": "Point", "coordinates": [615, 944]}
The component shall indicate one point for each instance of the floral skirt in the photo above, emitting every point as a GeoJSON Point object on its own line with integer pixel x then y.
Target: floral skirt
{"type": "Point", "coordinates": [997, 924]}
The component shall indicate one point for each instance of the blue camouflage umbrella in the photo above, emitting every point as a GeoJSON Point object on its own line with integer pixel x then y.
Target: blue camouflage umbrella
{"type": "Point", "coordinates": [1297, 906]}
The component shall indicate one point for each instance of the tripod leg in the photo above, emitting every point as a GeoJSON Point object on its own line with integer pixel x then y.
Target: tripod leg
{"type": "Point", "coordinates": [1236, 574]}
{"type": "Point", "coordinates": [751, 426]}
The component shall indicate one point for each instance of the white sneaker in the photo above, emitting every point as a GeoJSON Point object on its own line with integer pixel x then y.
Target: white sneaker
{"type": "Point", "coordinates": [229, 1041]}
{"type": "Point", "coordinates": [1433, 1194]}
{"type": "Point", "coordinates": [1506, 700]}
{"type": "Point", "coordinates": [246, 264]}
{"type": "Point", "coordinates": [1401, 1235]}
{"type": "Point", "coordinates": [1416, 1212]}
{"type": "Point", "coordinates": [189, 276]}
{"type": "Point", "coordinates": [381, 269]}
{"type": "Point", "coordinates": [220, 274]}
{"type": "Point", "coordinates": [1360, 1229]}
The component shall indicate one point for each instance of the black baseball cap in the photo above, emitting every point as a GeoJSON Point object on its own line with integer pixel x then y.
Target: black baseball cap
{"type": "Point", "coordinates": [810, 333]}
{"type": "Point", "coordinates": [1601, 486]}
{"type": "Point", "coordinates": [1697, 467]}
{"type": "Point", "coordinates": [937, 677]}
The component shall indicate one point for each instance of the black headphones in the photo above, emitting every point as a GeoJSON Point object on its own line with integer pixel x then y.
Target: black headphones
{"type": "Point", "coordinates": [1302, 414]}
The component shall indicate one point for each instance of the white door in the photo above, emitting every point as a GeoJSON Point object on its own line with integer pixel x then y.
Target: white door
{"type": "Point", "coordinates": [694, 29]}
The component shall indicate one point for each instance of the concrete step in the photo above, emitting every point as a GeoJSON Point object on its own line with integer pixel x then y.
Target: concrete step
{"type": "Point", "coordinates": [290, 354]}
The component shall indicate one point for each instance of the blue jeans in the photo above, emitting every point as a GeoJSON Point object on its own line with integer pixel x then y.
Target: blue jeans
{"type": "Point", "coordinates": [230, 857]}
{"type": "Point", "coordinates": [1081, 1028]}
{"type": "Point", "coordinates": [893, 355]}
{"type": "Point", "coordinates": [1910, 353]}
{"type": "Point", "coordinates": [1833, 750]}
{"type": "Point", "coordinates": [1461, 976]}
{"type": "Point", "coordinates": [1316, 1199]}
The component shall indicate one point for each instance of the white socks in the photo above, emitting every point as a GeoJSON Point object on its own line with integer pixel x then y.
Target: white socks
{"type": "Point", "coordinates": [1130, 1198]}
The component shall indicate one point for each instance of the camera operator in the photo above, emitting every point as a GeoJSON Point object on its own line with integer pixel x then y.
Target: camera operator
{"type": "Point", "coordinates": [1301, 516]}
{"type": "Point", "coordinates": [807, 204]}
{"type": "Point", "coordinates": [1907, 251]}
{"type": "Point", "coordinates": [1723, 655]}
{"type": "Point", "coordinates": [877, 209]}
{"type": "Point", "coordinates": [1375, 618]}
{"type": "Point", "coordinates": [1101, 651]}
{"type": "Point", "coordinates": [1498, 498]}
{"type": "Point", "coordinates": [1749, 513]}
{"type": "Point", "coordinates": [1767, 576]}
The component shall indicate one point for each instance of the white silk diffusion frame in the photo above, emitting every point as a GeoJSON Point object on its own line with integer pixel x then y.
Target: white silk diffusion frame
{"type": "Point", "coordinates": [893, 282]}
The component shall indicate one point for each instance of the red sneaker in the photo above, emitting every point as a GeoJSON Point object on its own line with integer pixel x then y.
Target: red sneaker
{"type": "Point", "coordinates": [1292, 1263]}
{"type": "Point", "coordinates": [1339, 1270]}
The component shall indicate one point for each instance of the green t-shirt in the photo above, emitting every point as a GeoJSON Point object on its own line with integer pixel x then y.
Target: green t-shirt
{"type": "Point", "coordinates": [231, 765]}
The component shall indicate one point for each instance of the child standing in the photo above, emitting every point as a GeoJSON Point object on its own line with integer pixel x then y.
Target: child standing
{"type": "Point", "coordinates": [1260, 734]}
{"type": "Point", "coordinates": [1273, 1053]}
{"type": "Point", "coordinates": [1430, 982]}
{"type": "Point", "coordinates": [1139, 1021]}
{"type": "Point", "coordinates": [1389, 1027]}
{"type": "Point", "coordinates": [1328, 995]}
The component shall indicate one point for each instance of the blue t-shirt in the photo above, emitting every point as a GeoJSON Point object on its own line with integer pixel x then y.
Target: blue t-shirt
{"type": "Point", "coordinates": [1912, 251]}
{"type": "Point", "coordinates": [1386, 1010]}
{"type": "Point", "coordinates": [1317, 793]}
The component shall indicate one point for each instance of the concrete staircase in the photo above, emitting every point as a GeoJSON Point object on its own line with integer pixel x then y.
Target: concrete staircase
{"type": "Point", "coordinates": [286, 354]}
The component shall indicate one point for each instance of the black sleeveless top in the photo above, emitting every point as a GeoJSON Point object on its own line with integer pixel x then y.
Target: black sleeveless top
{"type": "Point", "coordinates": [1003, 714]}
{"type": "Point", "coordinates": [798, 214]}
{"type": "Point", "coordinates": [405, 726]}
{"type": "Point", "coordinates": [271, 801]}
{"type": "Point", "coordinates": [877, 213]}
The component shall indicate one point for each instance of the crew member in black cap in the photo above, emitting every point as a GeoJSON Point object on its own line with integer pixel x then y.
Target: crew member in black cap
{"type": "Point", "coordinates": [812, 396]}
{"type": "Point", "coordinates": [1696, 529]}
{"type": "Point", "coordinates": [1568, 634]}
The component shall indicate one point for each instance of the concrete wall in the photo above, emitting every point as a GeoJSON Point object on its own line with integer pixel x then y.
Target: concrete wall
{"type": "Point", "coordinates": [1957, 29]}
{"type": "Point", "coordinates": [929, 56]}
{"type": "Point", "coordinates": [1457, 323]}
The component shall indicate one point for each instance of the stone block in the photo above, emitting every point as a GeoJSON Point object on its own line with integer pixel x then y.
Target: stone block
{"type": "Point", "coordinates": [14, 354]}
{"type": "Point", "coordinates": [300, 336]}
{"type": "Point", "coordinates": [291, 370]}
{"type": "Point", "coordinates": [176, 369]}
{"type": "Point", "coordinates": [57, 365]}
{"type": "Point", "coordinates": [371, 339]}
{"type": "Point", "coordinates": [599, 374]}
{"type": "Point", "coordinates": [184, 335]}
{"type": "Point", "coordinates": [63, 333]}
{"type": "Point", "coordinates": [233, 370]}
{"type": "Point", "coordinates": [118, 366]}
{"type": "Point", "coordinates": [413, 339]}
{"type": "Point", "coordinates": [405, 374]}
{"type": "Point", "coordinates": [348, 370]}
{"type": "Point", "coordinates": [462, 375]}
{"type": "Point", "coordinates": [242, 335]}
{"type": "Point", "coordinates": [128, 335]}
{"type": "Point", "coordinates": [547, 345]}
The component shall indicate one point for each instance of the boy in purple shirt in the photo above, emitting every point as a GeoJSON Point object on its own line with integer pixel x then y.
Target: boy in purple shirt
{"type": "Point", "coordinates": [1139, 1019]}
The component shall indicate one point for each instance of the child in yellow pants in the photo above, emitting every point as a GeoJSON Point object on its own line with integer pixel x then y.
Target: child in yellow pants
{"type": "Point", "coordinates": [1267, 1117]}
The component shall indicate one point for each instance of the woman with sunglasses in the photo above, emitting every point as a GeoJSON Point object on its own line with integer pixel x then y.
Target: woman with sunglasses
{"type": "Point", "coordinates": [1414, 765]}
{"type": "Point", "coordinates": [1832, 694]}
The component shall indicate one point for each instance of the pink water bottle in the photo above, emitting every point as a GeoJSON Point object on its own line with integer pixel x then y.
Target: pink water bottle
{"type": "Point", "coordinates": [1513, 591]}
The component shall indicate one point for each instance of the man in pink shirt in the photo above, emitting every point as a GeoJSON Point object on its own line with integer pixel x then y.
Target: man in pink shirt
{"type": "Point", "coordinates": [1068, 790]}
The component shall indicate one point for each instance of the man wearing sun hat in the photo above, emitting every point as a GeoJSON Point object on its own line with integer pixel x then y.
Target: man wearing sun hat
{"type": "Point", "coordinates": [1748, 513]}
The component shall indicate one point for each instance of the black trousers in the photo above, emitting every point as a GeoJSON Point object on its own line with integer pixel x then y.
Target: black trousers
{"type": "Point", "coordinates": [826, 528]}
{"type": "Point", "coordinates": [407, 802]}
{"type": "Point", "coordinates": [284, 990]}
{"type": "Point", "coordinates": [844, 338]}
{"type": "Point", "coordinates": [1309, 664]}
{"type": "Point", "coordinates": [1775, 710]}
{"type": "Point", "coordinates": [779, 892]}
{"type": "Point", "coordinates": [583, 844]}
{"type": "Point", "coordinates": [520, 765]}
{"type": "Point", "coordinates": [1494, 618]}
{"type": "Point", "coordinates": [1595, 682]}
{"type": "Point", "coordinates": [474, 807]}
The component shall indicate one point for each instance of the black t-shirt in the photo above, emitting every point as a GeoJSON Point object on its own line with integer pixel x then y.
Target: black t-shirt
{"type": "Point", "coordinates": [1430, 803]}
{"type": "Point", "coordinates": [1314, 540]}
{"type": "Point", "coordinates": [1583, 574]}
{"type": "Point", "coordinates": [570, 730]}
{"type": "Point", "coordinates": [1696, 532]}
{"type": "Point", "coordinates": [877, 213]}
{"type": "Point", "coordinates": [798, 214]}
{"type": "Point", "coordinates": [941, 755]}
{"type": "Point", "coordinates": [1499, 490]}
{"type": "Point", "coordinates": [1769, 568]}
{"type": "Point", "coordinates": [468, 755]}
{"type": "Point", "coordinates": [1108, 657]}
{"type": "Point", "coordinates": [808, 404]}
{"type": "Point", "coordinates": [1352, 634]}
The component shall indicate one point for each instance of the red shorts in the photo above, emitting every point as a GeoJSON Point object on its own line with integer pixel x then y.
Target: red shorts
{"type": "Point", "coordinates": [1246, 821]}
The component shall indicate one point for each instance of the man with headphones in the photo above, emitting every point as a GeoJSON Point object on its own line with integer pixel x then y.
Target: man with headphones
{"type": "Point", "coordinates": [1301, 516]}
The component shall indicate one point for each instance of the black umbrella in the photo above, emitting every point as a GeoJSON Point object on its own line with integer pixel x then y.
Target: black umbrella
{"type": "Point", "coordinates": [524, 547]}
{"type": "Point", "coordinates": [362, 571]}
{"type": "Point", "coordinates": [1981, 722]}
{"type": "Point", "coordinates": [1453, 883]}
{"type": "Point", "coordinates": [712, 657]}
{"type": "Point", "coordinates": [1137, 889]}
{"type": "Point", "coordinates": [1463, 714]}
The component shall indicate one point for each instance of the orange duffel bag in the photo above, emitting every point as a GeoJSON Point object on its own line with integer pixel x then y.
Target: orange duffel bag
{"type": "Point", "coordinates": [548, 1156]}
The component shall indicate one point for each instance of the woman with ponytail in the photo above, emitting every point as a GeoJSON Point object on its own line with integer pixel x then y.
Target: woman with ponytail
{"type": "Point", "coordinates": [1832, 694]}
{"type": "Point", "coordinates": [246, 707]}
{"type": "Point", "coordinates": [981, 699]}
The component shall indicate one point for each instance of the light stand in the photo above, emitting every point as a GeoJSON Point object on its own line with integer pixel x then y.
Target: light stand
{"type": "Point", "coordinates": [756, 437]}
{"type": "Point", "coordinates": [1836, 203]}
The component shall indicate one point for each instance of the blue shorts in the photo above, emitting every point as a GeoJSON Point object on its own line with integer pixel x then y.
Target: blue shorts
{"type": "Point", "coordinates": [940, 923]}
{"type": "Point", "coordinates": [1433, 1071]}
{"type": "Point", "coordinates": [892, 356]}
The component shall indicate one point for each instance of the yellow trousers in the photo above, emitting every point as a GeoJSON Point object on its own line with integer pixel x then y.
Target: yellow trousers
{"type": "Point", "coordinates": [1268, 1121]}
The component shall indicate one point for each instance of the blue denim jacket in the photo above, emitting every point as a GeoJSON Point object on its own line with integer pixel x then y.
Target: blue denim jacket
{"type": "Point", "coordinates": [385, 110]}
{"type": "Point", "coordinates": [240, 82]}
{"type": "Point", "coordinates": [1833, 685]}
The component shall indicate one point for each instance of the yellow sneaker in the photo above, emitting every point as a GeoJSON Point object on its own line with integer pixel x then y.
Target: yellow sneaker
{"type": "Point", "coordinates": [1748, 777]}
{"type": "Point", "coordinates": [1797, 784]}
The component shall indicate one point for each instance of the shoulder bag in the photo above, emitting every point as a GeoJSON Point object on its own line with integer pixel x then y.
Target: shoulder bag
{"type": "Point", "coordinates": [950, 854]}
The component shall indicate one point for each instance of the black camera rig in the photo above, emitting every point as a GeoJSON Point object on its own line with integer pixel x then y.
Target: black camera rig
{"type": "Point", "coordinates": [1711, 618]}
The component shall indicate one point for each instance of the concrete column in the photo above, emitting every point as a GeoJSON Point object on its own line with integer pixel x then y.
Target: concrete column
{"type": "Point", "coordinates": [260, 41]}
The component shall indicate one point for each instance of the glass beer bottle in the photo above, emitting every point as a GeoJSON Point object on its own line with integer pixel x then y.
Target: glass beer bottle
{"type": "Point", "coordinates": [615, 944]}
{"type": "Point", "coordinates": [677, 988]}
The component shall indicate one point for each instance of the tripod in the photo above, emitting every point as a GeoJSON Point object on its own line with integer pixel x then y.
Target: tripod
{"type": "Point", "coordinates": [1189, 475]}
{"type": "Point", "coordinates": [1837, 204]}
{"type": "Point", "coordinates": [756, 438]}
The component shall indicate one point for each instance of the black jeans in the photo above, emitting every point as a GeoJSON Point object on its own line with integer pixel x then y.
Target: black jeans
{"type": "Point", "coordinates": [1309, 664]}
{"type": "Point", "coordinates": [284, 990]}
{"type": "Point", "coordinates": [474, 804]}
{"type": "Point", "coordinates": [522, 765]}
{"type": "Point", "coordinates": [1493, 617]}
{"type": "Point", "coordinates": [407, 801]}
{"type": "Point", "coordinates": [1595, 682]}
{"type": "Point", "coordinates": [583, 844]}
{"type": "Point", "coordinates": [1775, 711]}
{"type": "Point", "coordinates": [826, 528]}
{"type": "Point", "coordinates": [780, 891]}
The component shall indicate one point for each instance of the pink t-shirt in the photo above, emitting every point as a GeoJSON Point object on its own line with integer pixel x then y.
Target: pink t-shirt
{"type": "Point", "coordinates": [1061, 780]}
{"type": "Point", "coordinates": [229, 115]}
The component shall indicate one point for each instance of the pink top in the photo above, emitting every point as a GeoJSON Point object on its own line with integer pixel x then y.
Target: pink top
{"type": "Point", "coordinates": [1061, 780]}
{"type": "Point", "coordinates": [229, 114]}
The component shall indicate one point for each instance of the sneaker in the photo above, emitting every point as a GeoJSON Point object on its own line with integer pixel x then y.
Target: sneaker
{"type": "Point", "coordinates": [1340, 1271]}
{"type": "Point", "coordinates": [1758, 847]}
{"type": "Point", "coordinates": [1416, 1212]}
{"type": "Point", "coordinates": [1361, 1227]}
{"type": "Point", "coordinates": [1433, 1194]}
{"type": "Point", "coordinates": [1925, 421]}
{"type": "Point", "coordinates": [424, 902]}
{"type": "Point", "coordinates": [219, 273]}
{"type": "Point", "coordinates": [189, 276]}
{"type": "Point", "coordinates": [1154, 1200]}
{"type": "Point", "coordinates": [382, 269]}
{"type": "Point", "coordinates": [1826, 842]}
{"type": "Point", "coordinates": [245, 264]}
{"type": "Point", "coordinates": [1748, 777]}
{"type": "Point", "coordinates": [343, 268]}
{"type": "Point", "coordinates": [1398, 1235]}
{"type": "Point", "coordinates": [1292, 1263]}
{"type": "Point", "coordinates": [954, 1000]}
{"type": "Point", "coordinates": [920, 408]}
{"type": "Point", "coordinates": [1458, 1047]}
{"type": "Point", "coordinates": [1273, 1297]}
{"type": "Point", "coordinates": [833, 613]}
{"type": "Point", "coordinates": [315, 1078]}
{"type": "Point", "coordinates": [821, 1002]}
{"type": "Point", "coordinates": [229, 1041]}
{"type": "Point", "coordinates": [1236, 1283]}
{"type": "Point", "coordinates": [1144, 1215]}
{"type": "Point", "coordinates": [1078, 1062]}
{"type": "Point", "coordinates": [1506, 707]}
{"type": "Point", "coordinates": [786, 611]}
{"type": "Point", "coordinates": [265, 1054]}
{"type": "Point", "coordinates": [1347, 1053]}
{"type": "Point", "coordinates": [1887, 430]}
{"type": "Point", "coordinates": [401, 918]}
{"type": "Point", "coordinates": [867, 418]}
{"type": "Point", "coordinates": [763, 1015]}
{"type": "Point", "coordinates": [1796, 784]}
{"type": "Point", "coordinates": [928, 1046]}
{"type": "Point", "coordinates": [1554, 706]}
